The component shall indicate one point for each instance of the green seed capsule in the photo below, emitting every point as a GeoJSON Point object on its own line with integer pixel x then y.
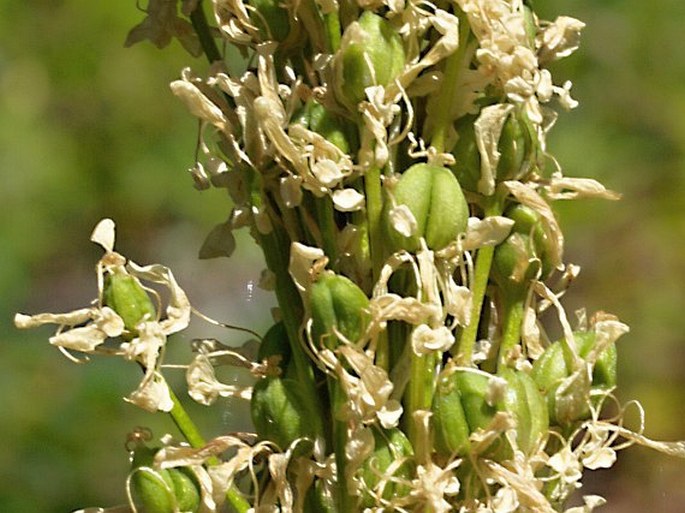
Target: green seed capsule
{"type": "Point", "coordinates": [125, 295]}
{"type": "Point", "coordinates": [554, 366]}
{"type": "Point", "coordinates": [371, 54]}
{"type": "Point", "coordinates": [390, 446]}
{"type": "Point", "coordinates": [337, 304]}
{"type": "Point", "coordinates": [460, 407]}
{"type": "Point", "coordinates": [279, 413]}
{"type": "Point", "coordinates": [162, 490]}
{"type": "Point", "coordinates": [275, 343]}
{"type": "Point", "coordinates": [435, 199]}
{"type": "Point", "coordinates": [450, 428]}
{"type": "Point", "coordinates": [528, 406]}
{"type": "Point", "coordinates": [524, 255]}
{"type": "Point", "coordinates": [335, 129]}
{"type": "Point", "coordinates": [517, 147]}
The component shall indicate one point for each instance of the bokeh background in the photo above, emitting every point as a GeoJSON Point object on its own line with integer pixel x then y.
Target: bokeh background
{"type": "Point", "coordinates": [89, 129]}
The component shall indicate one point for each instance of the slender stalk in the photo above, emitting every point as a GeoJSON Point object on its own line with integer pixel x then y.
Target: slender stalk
{"type": "Point", "coordinates": [511, 328]}
{"type": "Point", "coordinates": [184, 423]}
{"type": "Point", "coordinates": [467, 337]}
{"type": "Point", "coordinates": [193, 436]}
{"type": "Point", "coordinates": [374, 209]}
{"type": "Point", "coordinates": [450, 82]}
{"type": "Point", "coordinates": [420, 390]}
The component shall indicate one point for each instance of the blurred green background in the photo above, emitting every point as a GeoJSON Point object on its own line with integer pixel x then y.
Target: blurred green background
{"type": "Point", "coordinates": [89, 129]}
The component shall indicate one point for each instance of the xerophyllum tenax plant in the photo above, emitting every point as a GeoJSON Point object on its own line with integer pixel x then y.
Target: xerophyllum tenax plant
{"type": "Point", "coordinates": [389, 158]}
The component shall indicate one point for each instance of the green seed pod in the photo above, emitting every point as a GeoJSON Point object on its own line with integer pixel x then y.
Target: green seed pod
{"type": "Point", "coordinates": [554, 366]}
{"type": "Point", "coordinates": [335, 129]}
{"type": "Point", "coordinates": [320, 498]}
{"type": "Point", "coordinates": [450, 428]}
{"type": "Point", "coordinates": [514, 264]}
{"type": "Point", "coordinates": [279, 413]}
{"type": "Point", "coordinates": [527, 404]}
{"type": "Point", "coordinates": [272, 20]}
{"type": "Point", "coordinates": [466, 154]}
{"type": "Point", "coordinates": [517, 147]}
{"type": "Point", "coordinates": [391, 445]}
{"type": "Point", "coordinates": [337, 304]}
{"type": "Point", "coordinates": [435, 199]}
{"type": "Point", "coordinates": [460, 407]}
{"type": "Point", "coordinates": [524, 255]}
{"type": "Point", "coordinates": [125, 295]}
{"type": "Point", "coordinates": [275, 343]}
{"type": "Point", "coordinates": [371, 54]}
{"type": "Point", "coordinates": [162, 490]}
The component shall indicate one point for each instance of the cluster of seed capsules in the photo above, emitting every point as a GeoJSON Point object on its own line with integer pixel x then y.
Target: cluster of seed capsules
{"type": "Point", "coordinates": [389, 158]}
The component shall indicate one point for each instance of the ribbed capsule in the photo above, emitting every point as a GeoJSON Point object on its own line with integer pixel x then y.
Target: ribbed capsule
{"type": "Point", "coordinates": [337, 304]}
{"type": "Point", "coordinates": [162, 490]}
{"type": "Point", "coordinates": [433, 196]}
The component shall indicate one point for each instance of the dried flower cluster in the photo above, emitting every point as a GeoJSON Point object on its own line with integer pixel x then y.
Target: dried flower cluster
{"type": "Point", "coordinates": [389, 158]}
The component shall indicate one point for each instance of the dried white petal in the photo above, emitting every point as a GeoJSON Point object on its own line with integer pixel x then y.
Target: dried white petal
{"type": "Point", "coordinates": [403, 221]}
{"type": "Point", "coordinates": [490, 231]}
{"type": "Point", "coordinates": [152, 395]}
{"type": "Point", "coordinates": [348, 200]}
{"type": "Point", "coordinates": [425, 340]}
{"type": "Point", "coordinates": [104, 234]}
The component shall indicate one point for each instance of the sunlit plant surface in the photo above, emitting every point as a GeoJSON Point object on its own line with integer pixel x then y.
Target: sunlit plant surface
{"type": "Point", "coordinates": [389, 158]}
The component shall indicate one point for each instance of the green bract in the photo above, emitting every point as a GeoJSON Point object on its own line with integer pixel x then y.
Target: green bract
{"type": "Point", "coordinates": [461, 406]}
{"type": "Point", "coordinates": [271, 19]}
{"type": "Point", "coordinates": [371, 54]}
{"type": "Point", "coordinates": [337, 305]}
{"type": "Point", "coordinates": [162, 490]}
{"type": "Point", "coordinates": [433, 196]}
{"type": "Point", "coordinates": [554, 366]}
{"type": "Point", "coordinates": [390, 446]}
{"type": "Point", "coordinates": [279, 412]}
{"type": "Point", "coordinates": [125, 295]}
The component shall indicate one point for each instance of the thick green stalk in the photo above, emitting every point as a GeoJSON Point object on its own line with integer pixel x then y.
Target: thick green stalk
{"type": "Point", "coordinates": [276, 249]}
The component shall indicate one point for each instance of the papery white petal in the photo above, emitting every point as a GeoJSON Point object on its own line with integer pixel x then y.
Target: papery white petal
{"type": "Point", "coordinates": [403, 221]}
{"type": "Point", "coordinates": [348, 200]}
{"type": "Point", "coordinates": [490, 231]}
{"type": "Point", "coordinates": [104, 234]}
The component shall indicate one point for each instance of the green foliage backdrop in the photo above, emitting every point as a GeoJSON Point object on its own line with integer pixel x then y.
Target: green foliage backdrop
{"type": "Point", "coordinates": [89, 129]}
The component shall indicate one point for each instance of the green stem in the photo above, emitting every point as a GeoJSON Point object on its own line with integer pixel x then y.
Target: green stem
{"type": "Point", "coordinates": [184, 423]}
{"type": "Point", "coordinates": [467, 337]}
{"type": "Point", "coordinates": [453, 65]}
{"type": "Point", "coordinates": [325, 218]}
{"type": "Point", "coordinates": [192, 434]}
{"type": "Point", "coordinates": [276, 249]}
{"type": "Point", "coordinates": [374, 209]}
{"type": "Point", "coordinates": [420, 389]}
{"type": "Point", "coordinates": [511, 328]}
{"type": "Point", "coordinates": [344, 500]}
